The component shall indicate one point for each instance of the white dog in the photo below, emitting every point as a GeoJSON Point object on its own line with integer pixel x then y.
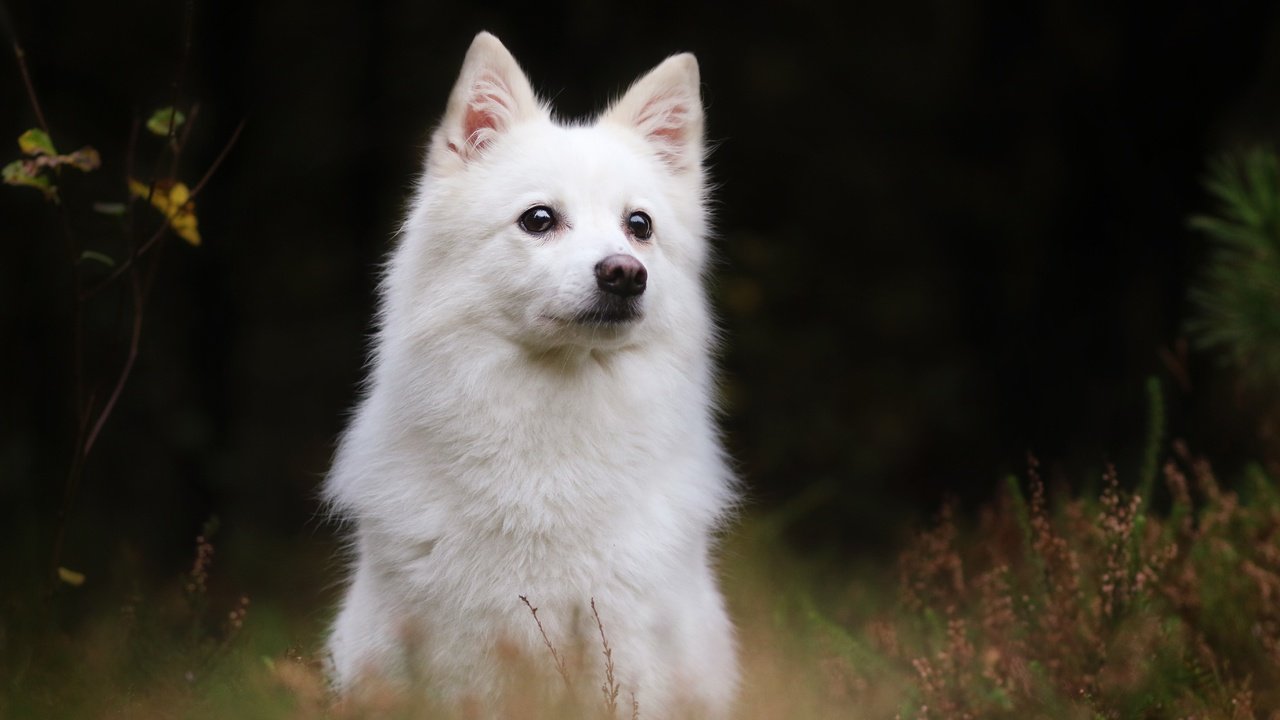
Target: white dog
{"type": "Point", "coordinates": [539, 416]}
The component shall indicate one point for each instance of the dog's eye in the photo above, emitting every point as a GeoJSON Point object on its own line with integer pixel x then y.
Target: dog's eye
{"type": "Point", "coordinates": [640, 225]}
{"type": "Point", "coordinates": [538, 220]}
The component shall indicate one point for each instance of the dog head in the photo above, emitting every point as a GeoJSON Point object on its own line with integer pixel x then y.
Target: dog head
{"type": "Point", "coordinates": [551, 234]}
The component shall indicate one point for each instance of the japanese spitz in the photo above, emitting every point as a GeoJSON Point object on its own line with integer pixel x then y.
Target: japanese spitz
{"type": "Point", "coordinates": [538, 420]}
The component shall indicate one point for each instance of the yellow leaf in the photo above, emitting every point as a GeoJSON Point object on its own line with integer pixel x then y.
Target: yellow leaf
{"type": "Point", "coordinates": [173, 200]}
{"type": "Point", "coordinates": [84, 159]}
{"type": "Point", "coordinates": [70, 577]}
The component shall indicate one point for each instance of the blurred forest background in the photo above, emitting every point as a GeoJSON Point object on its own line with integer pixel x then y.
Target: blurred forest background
{"type": "Point", "coordinates": [950, 233]}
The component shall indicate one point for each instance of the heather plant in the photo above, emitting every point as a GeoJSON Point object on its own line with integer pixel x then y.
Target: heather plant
{"type": "Point", "coordinates": [1082, 611]}
{"type": "Point", "coordinates": [1046, 604]}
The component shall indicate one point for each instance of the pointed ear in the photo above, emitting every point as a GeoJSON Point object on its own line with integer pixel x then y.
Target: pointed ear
{"type": "Point", "coordinates": [491, 95]}
{"type": "Point", "coordinates": [665, 107]}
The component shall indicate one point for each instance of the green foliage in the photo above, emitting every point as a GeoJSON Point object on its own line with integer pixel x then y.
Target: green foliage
{"type": "Point", "coordinates": [97, 257]}
{"type": "Point", "coordinates": [20, 173]}
{"type": "Point", "coordinates": [110, 209]}
{"type": "Point", "coordinates": [164, 121]}
{"type": "Point", "coordinates": [36, 142]}
{"type": "Point", "coordinates": [42, 162]}
{"type": "Point", "coordinates": [1238, 298]}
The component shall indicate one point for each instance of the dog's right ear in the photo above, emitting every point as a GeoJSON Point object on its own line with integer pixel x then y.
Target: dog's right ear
{"type": "Point", "coordinates": [491, 95]}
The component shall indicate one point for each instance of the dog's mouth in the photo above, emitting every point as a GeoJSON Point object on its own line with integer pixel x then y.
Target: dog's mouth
{"type": "Point", "coordinates": [606, 312]}
{"type": "Point", "coordinates": [610, 311]}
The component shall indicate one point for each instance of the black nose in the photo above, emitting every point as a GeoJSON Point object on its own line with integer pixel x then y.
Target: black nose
{"type": "Point", "coordinates": [621, 275]}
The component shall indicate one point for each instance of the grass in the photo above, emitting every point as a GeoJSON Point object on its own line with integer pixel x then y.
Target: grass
{"type": "Point", "coordinates": [1071, 607]}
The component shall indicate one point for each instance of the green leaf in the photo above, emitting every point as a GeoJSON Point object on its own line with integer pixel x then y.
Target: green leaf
{"type": "Point", "coordinates": [23, 172]}
{"type": "Point", "coordinates": [109, 208]}
{"type": "Point", "coordinates": [97, 257]}
{"type": "Point", "coordinates": [70, 577]}
{"type": "Point", "coordinates": [36, 142]}
{"type": "Point", "coordinates": [164, 118]}
{"type": "Point", "coordinates": [15, 173]}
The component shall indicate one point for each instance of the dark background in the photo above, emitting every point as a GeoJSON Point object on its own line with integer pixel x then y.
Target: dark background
{"type": "Point", "coordinates": [950, 233]}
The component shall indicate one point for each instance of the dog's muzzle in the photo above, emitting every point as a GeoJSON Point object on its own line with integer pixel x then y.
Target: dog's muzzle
{"type": "Point", "coordinates": [621, 280]}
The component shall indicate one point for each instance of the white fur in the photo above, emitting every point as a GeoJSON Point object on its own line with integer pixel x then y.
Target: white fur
{"type": "Point", "coordinates": [502, 450]}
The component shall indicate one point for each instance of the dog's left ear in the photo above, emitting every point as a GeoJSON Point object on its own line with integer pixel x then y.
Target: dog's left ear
{"type": "Point", "coordinates": [665, 107]}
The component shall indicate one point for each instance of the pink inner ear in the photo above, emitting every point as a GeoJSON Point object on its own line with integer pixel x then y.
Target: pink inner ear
{"type": "Point", "coordinates": [668, 134]}
{"type": "Point", "coordinates": [480, 122]}
{"type": "Point", "coordinates": [664, 120]}
{"type": "Point", "coordinates": [489, 111]}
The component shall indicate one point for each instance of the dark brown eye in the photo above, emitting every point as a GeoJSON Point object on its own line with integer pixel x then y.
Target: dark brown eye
{"type": "Point", "coordinates": [538, 220]}
{"type": "Point", "coordinates": [640, 225]}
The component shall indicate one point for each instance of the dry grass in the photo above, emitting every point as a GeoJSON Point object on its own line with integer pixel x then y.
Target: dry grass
{"type": "Point", "coordinates": [1089, 607]}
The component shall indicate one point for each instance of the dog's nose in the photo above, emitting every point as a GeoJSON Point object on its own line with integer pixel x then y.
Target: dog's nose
{"type": "Point", "coordinates": [621, 275]}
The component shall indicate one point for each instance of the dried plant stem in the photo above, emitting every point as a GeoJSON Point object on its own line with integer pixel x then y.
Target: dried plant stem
{"type": "Point", "coordinates": [21, 55]}
{"type": "Point", "coordinates": [125, 371]}
{"type": "Point", "coordinates": [610, 685]}
{"type": "Point", "coordinates": [222, 155]}
{"type": "Point", "coordinates": [564, 673]}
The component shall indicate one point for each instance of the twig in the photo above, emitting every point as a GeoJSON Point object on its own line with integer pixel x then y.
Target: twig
{"type": "Point", "coordinates": [192, 114]}
{"type": "Point", "coordinates": [127, 264]}
{"type": "Point", "coordinates": [170, 134]}
{"type": "Point", "coordinates": [217, 161]}
{"type": "Point", "coordinates": [31, 89]}
{"type": "Point", "coordinates": [564, 674]}
{"type": "Point", "coordinates": [77, 315]}
{"type": "Point", "coordinates": [125, 370]}
{"type": "Point", "coordinates": [610, 685]}
{"type": "Point", "coordinates": [164, 227]}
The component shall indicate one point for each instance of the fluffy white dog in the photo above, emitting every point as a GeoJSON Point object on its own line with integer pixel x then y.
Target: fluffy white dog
{"type": "Point", "coordinates": [539, 416]}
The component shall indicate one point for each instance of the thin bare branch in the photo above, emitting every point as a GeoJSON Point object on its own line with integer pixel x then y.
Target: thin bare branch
{"type": "Point", "coordinates": [217, 161]}
{"type": "Point", "coordinates": [564, 673]}
{"type": "Point", "coordinates": [610, 686]}
{"type": "Point", "coordinates": [126, 369]}
{"type": "Point", "coordinates": [21, 55]}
